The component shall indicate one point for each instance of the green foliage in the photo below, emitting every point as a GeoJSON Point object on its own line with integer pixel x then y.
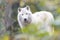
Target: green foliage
{"type": "Point", "coordinates": [42, 34]}
{"type": "Point", "coordinates": [31, 29]}
{"type": "Point", "coordinates": [58, 10]}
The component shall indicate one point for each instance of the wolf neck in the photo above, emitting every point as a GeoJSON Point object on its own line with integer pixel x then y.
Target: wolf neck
{"type": "Point", "coordinates": [24, 24]}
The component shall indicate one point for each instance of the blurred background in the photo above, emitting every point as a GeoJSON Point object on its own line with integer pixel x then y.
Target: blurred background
{"type": "Point", "coordinates": [8, 16]}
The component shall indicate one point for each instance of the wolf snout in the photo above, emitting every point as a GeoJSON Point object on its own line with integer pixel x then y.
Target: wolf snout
{"type": "Point", "coordinates": [25, 19]}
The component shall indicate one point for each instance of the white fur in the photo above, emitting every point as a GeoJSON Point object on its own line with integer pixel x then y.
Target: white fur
{"type": "Point", "coordinates": [43, 17]}
{"type": "Point", "coordinates": [46, 18]}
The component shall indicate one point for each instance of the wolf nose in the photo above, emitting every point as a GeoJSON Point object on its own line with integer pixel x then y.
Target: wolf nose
{"type": "Point", "coordinates": [25, 19]}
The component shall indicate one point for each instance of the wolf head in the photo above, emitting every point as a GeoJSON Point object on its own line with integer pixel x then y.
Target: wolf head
{"type": "Point", "coordinates": [25, 15]}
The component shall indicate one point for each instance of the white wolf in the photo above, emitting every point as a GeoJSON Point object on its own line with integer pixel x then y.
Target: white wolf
{"type": "Point", "coordinates": [26, 17]}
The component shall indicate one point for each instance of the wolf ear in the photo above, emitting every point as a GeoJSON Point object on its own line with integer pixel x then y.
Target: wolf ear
{"type": "Point", "coordinates": [27, 7]}
{"type": "Point", "coordinates": [19, 9]}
